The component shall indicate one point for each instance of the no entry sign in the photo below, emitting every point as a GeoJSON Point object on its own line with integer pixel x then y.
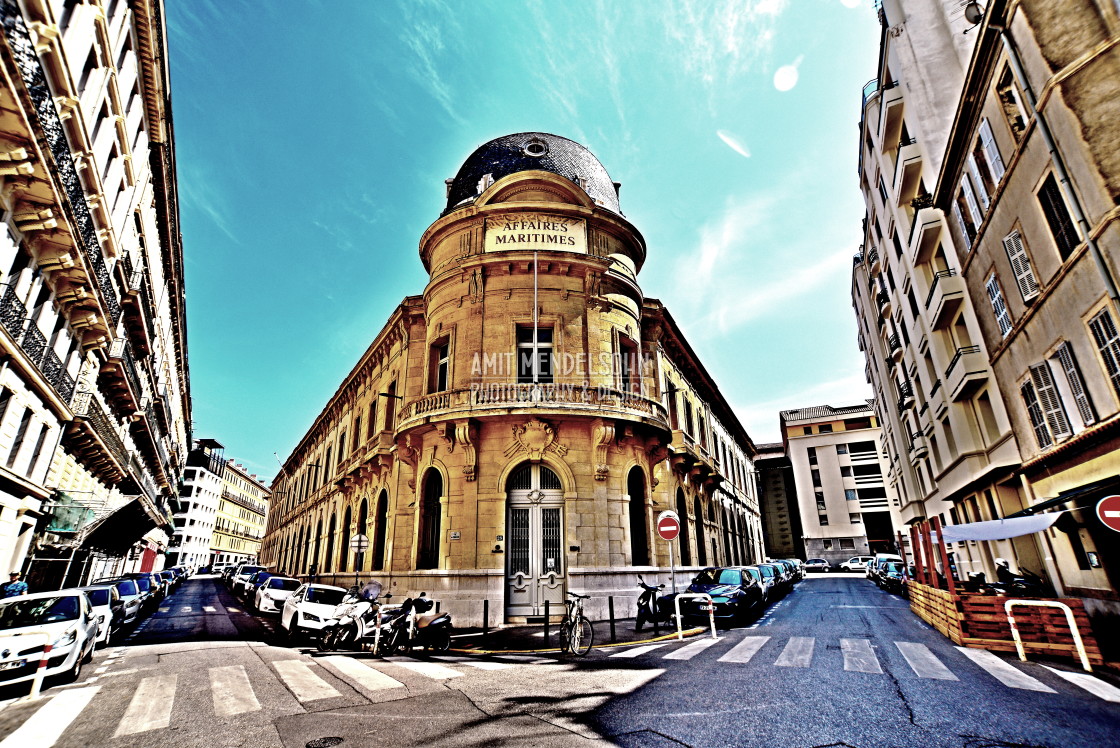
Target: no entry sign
{"type": "Point", "coordinates": [668, 525]}
{"type": "Point", "coordinates": [1108, 511]}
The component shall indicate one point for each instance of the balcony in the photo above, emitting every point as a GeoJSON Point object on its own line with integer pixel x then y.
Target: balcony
{"type": "Point", "coordinates": [946, 294]}
{"type": "Point", "coordinates": [891, 102]}
{"type": "Point", "coordinates": [905, 397]}
{"type": "Point", "coordinates": [966, 373]}
{"type": "Point", "coordinates": [137, 304]}
{"type": "Point", "coordinates": [873, 265]}
{"type": "Point", "coordinates": [13, 316]}
{"type": "Point", "coordinates": [122, 379]}
{"type": "Point", "coordinates": [93, 440]}
{"type": "Point", "coordinates": [925, 229]}
{"type": "Point", "coordinates": [894, 345]}
{"type": "Point", "coordinates": [919, 447]}
{"type": "Point", "coordinates": [907, 170]}
{"type": "Point", "coordinates": [884, 301]}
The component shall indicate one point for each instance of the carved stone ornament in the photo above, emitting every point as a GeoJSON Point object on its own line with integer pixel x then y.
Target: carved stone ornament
{"type": "Point", "coordinates": [602, 437]}
{"type": "Point", "coordinates": [465, 436]}
{"type": "Point", "coordinates": [410, 453]}
{"type": "Point", "coordinates": [535, 496]}
{"type": "Point", "coordinates": [535, 437]}
{"type": "Point", "coordinates": [477, 284]}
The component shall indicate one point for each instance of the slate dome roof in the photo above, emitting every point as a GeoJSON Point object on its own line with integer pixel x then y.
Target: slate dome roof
{"type": "Point", "coordinates": [527, 151]}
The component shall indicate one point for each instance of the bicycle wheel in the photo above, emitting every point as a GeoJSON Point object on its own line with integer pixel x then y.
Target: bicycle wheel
{"type": "Point", "coordinates": [565, 635]}
{"type": "Point", "coordinates": [583, 635]}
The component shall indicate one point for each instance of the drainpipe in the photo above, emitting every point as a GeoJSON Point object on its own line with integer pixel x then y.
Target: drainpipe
{"type": "Point", "coordinates": [1059, 163]}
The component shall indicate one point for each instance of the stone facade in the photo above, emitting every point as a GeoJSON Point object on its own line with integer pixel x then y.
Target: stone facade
{"type": "Point", "coordinates": [474, 482]}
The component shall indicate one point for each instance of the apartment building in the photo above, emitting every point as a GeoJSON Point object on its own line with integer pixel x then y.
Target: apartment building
{"type": "Point", "coordinates": [781, 517]}
{"type": "Point", "coordinates": [94, 393]}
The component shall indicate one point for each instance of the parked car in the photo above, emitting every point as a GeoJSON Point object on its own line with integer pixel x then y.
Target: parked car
{"type": "Point", "coordinates": [782, 581]}
{"type": "Point", "coordinates": [108, 608]}
{"type": "Point", "coordinates": [799, 570]}
{"type": "Point", "coordinates": [241, 576]}
{"type": "Point", "coordinates": [249, 589]}
{"type": "Point", "coordinates": [130, 597]}
{"type": "Point", "coordinates": [766, 580]}
{"type": "Point", "coordinates": [150, 593]}
{"type": "Point", "coordinates": [817, 564]}
{"type": "Point", "coordinates": [271, 593]}
{"type": "Point", "coordinates": [876, 564]}
{"type": "Point", "coordinates": [736, 595]}
{"type": "Point", "coordinates": [67, 620]}
{"type": "Point", "coordinates": [857, 563]}
{"type": "Point", "coordinates": [169, 582]}
{"type": "Point", "coordinates": [309, 607]}
{"type": "Point", "coordinates": [789, 569]}
{"type": "Point", "coordinates": [892, 578]}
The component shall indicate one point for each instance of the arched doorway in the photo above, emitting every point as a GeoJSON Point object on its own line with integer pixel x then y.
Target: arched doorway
{"type": "Point", "coordinates": [317, 559]}
{"type": "Point", "coordinates": [328, 560]}
{"type": "Point", "coordinates": [639, 540]}
{"type": "Point", "coordinates": [363, 516]}
{"type": "Point", "coordinates": [534, 541]}
{"type": "Point", "coordinates": [344, 549]}
{"type": "Point", "coordinates": [380, 530]}
{"type": "Point", "coordinates": [682, 542]}
{"type": "Point", "coordinates": [431, 508]}
{"type": "Point", "coordinates": [701, 550]}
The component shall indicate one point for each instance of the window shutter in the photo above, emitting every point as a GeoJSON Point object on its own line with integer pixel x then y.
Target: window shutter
{"type": "Point", "coordinates": [1021, 265]}
{"type": "Point", "coordinates": [973, 208]}
{"type": "Point", "coordinates": [1076, 383]}
{"type": "Point", "coordinates": [1050, 401]}
{"type": "Point", "coordinates": [1003, 317]}
{"type": "Point", "coordinates": [1108, 343]}
{"type": "Point", "coordinates": [991, 151]}
{"type": "Point", "coordinates": [1035, 414]}
{"type": "Point", "coordinates": [978, 183]}
{"type": "Point", "coordinates": [961, 225]}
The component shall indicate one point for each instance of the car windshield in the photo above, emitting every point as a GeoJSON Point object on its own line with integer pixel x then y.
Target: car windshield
{"type": "Point", "coordinates": [143, 583]}
{"type": "Point", "coordinates": [767, 571]}
{"type": "Point", "coordinates": [128, 587]}
{"type": "Point", "coordinates": [40, 610]}
{"type": "Point", "coordinates": [324, 597]}
{"type": "Point", "coordinates": [99, 597]}
{"type": "Point", "coordinates": [894, 566]}
{"type": "Point", "coordinates": [718, 576]}
{"type": "Point", "coordinates": [249, 571]}
{"type": "Point", "coordinates": [754, 573]}
{"type": "Point", "coordinates": [283, 584]}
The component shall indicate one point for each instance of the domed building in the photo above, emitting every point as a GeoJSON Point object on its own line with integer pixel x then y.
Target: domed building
{"type": "Point", "coordinates": [512, 433]}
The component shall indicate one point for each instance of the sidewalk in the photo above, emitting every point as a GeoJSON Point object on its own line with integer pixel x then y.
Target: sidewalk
{"type": "Point", "coordinates": [531, 638]}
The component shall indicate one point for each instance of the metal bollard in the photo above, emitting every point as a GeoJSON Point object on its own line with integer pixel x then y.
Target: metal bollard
{"type": "Point", "coordinates": [485, 620]}
{"type": "Point", "coordinates": [37, 683]}
{"type": "Point", "coordinates": [437, 607]}
{"type": "Point", "coordinates": [610, 609]}
{"type": "Point", "coordinates": [546, 619]}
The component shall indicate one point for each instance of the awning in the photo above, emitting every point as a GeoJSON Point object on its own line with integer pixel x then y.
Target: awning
{"type": "Point", "coordinates": [116, 533]}
{"type": "Point", "coordinates": [1085, 492]}
{"type": "Point", "coordinates": [1000, 529]}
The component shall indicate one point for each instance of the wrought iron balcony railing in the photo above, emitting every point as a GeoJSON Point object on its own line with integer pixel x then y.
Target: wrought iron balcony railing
{"type": "Point", "coordinates": [937, 279]}
{"type": "Point", "coordinates": [13, 315]}
{"type": "Point", "coordinates": [86, 405]}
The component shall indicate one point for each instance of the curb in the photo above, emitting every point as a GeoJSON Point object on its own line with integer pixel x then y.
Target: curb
{"type": "Point", "coordinates": [684, 633]}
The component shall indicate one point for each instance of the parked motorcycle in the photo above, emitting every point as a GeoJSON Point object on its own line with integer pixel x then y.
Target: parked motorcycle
{"type": "Point", "coordinates": [648, 607]}
{"type": "Point", "coordinates": [355, 620]}
{"type": "Point", "coordinates": [1023, 584]}
{"type": "Point", "coordinates": [414, 626]}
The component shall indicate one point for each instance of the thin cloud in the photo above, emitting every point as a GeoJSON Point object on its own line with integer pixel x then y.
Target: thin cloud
{"type": "Point", "coordinates": [734, 143]}
{"type": "Point", "coordinates": [761, 418]}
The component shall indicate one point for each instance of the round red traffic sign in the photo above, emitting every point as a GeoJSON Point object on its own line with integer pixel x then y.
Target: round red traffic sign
{"type": "Point", "coordinates": [1108, 511]}
{"type": "Point", "coordinates": [668, 525]}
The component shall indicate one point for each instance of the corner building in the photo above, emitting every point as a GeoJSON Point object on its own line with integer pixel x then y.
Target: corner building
{"type": "Point", "coordinates": [512, 433]}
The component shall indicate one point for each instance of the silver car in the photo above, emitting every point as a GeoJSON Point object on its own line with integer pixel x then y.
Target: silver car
{"type": "Point", "coordinates": [64, 619]}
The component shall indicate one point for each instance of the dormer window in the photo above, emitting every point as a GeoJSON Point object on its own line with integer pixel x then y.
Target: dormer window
{"type": "Point", "coordinates": [485, 182]}
{"type": "Point", "coordinates": [535, 148]}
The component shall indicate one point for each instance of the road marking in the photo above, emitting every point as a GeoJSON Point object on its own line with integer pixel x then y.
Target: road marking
{"type": "Point", "coordinates": [46, 725]}
{"type": "Point", "coordinates": [797, 653]}
{"type": "Point", "coordinates": [209, 609]}
{"type": "Point", "coordinates": [431, 669]}
{"type": "Point", "coordinates": [186, 609]}
{"type": "Point", "coordinates": [1095, 686]}
{"type": "Point", "coordinates": [745, 650]}
{"type": "Point", "coordinates": [164, 610]}
{"type": "Point", "coordinates": [363, 675]}
{"type": "Point", "coordinates": [875, 607]}
{"type": "Point", "coordinates": [302, 681]}
{"type": "Point", "coordinates": [480, 664]}
{"type": "Point", "coordinates": [1004, 673]}
{"type": "Point", "coordinates": [232, 692]}
{"type": "Point", "coordinates": [518, 658]}
{"type": "Point", "coordinates": [689, 651]}
{"type": "Point", "coordinates": [637, 651]}
{"type": "Point", "coordinates": [150, 708]}
{"type": "Point", "coordinates": [859, 657]}
{"type": "Point", "coordinates": [923, 662]}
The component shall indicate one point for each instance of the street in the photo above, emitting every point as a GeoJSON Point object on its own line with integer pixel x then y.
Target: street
{"type": "Point", "coordinates": [837, 662]}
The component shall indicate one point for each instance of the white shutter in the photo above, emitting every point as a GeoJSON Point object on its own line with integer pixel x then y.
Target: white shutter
{"type": "Point", "coordinates": [1050, 401]}
{"type": "Point", "coordinates": [1003, 317]}
{"type": "Point", "coordinates": [981, 190]}
{"type": "Point", "coordinates": [961, 225]}
{"type": "Point", "coordinates": [1076, 383]}
{"type": "Point", "coordinates": [973, 208]}
{"type": "Point", "coordinates": [991, 151]}
{"type": "Point", "coordinates": [1108, 343]}
{"type": "Point", "coordinates": [1021, 265]}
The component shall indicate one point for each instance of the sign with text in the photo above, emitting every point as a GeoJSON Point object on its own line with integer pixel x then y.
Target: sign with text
{"type": "Point", "coordinates": [529, 231]}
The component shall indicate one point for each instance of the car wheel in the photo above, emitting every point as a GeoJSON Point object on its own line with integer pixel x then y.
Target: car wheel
{"type": "Point", "coordinates": [89, 655]}
{"type": "Point", "coordinates": [73, 673]}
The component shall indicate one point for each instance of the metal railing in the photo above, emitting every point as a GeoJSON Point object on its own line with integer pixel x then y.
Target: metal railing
{"type": "Point", "coordinates": [13, 315]}
{"type": "Point", "coordinates": [961, 353]}
{"type": "Point", "coordinates": [86, 405]}
{"type": "Point", "coordinates": [936, 280]}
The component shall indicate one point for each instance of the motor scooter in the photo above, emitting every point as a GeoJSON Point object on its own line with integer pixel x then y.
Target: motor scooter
{"type": "Point", "coordinates": [648, 606]}
{"type": "Point", "coordinates": [414, 626]}
{"type": "Point", "coordinates": [355, 620]}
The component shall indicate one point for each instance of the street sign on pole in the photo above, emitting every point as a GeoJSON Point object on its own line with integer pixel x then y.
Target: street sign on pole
{"type": "Point", "coordinates": [668, 528]}
{"type": "Point", "coordinates": [1108, 512]}
{"type": "Point", "coordinates": [359, 543]}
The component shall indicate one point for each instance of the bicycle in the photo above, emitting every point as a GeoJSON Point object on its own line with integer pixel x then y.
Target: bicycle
{"type": "Point", "coordinates": [576, 633]}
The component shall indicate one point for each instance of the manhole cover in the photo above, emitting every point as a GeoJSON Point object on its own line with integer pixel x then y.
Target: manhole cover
{"type": "Point", "coordinates": [324, 742]}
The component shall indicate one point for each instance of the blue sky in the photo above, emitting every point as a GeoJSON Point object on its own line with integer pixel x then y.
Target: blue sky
{"type": "Point", "coordinates": [313, 139]}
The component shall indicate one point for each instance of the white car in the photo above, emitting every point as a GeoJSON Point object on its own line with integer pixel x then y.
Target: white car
{"type": "Point", "coordinates": [108, 608]}
{"type": "Point", "coordinates": [273, 592]}
{"type": "Point", "coordinates": [63, 618]}
{"type": "Point", "coordinates": [309, 607]}
{"type": "Point", "coordinates": [857, 563]}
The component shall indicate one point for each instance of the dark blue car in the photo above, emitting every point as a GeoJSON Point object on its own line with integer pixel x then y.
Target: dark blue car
{"type": "Point", "coordinates": [736, 596]}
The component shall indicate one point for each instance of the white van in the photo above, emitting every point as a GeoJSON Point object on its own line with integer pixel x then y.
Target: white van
{"type": "Point", "coordinates": [857, 563]}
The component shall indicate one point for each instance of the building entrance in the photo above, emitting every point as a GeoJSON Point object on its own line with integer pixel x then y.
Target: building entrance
{"type": "Point", "coordinates": [535, 538]}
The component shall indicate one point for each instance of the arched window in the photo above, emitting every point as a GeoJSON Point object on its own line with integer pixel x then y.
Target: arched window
{"type": "Point", "coordinates": [380, 531]}
{"type": "Point", "coordinates": [728, 546]}
{"type": "Point", "coordinates": [363, 516]}
{"type": "Point", "coordinates": [317, 559]}
{"type": "Point", "coordinates": [701, 549]}
{"type": "Point", "coordinates": [307, 550]}
{"type": "Point", "coordinates": [682, 510]}
{"type": "Point", "coordinates": [328, 561]}
{"type": "Point", "coordinates": [427, 556]}
{"type": "Point", "coordinates": [344, 549]}
{"type": "Point", "coordinates": [639, 542]}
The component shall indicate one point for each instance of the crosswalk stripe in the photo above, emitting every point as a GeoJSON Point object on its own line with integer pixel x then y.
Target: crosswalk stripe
{"type": "Point", "coordinates": [475, 663]}
{"type": "Point", "coordinates": [46, 726]}
{"type": "Point", "coordinates": [637, 651]}
{"type": "Point", "coordinates": [302, 681]}
{"type": "Point", "coordinates": [745, 650]}
{"type": "Point", "coordinates": [365, 676]}
{"type": "Point", "coordinates": [923, 662]}
{"type": "Point", "coordinates": [1095, 686]}
{"type": "Point", "coordinates": [432, 670]}
{"type": "Point", "coordinates": [859, 657]}
{"type": "Point", "coordinates": [150, 708]}
{"type": "Point", "coordinates": [798, 652]}
{"type": "Point", "coordinates": [232, 692]}
{"type": "Point", "coordinates": [688, 651]}
{"type": "Point", "coordinates": [1004, 673]}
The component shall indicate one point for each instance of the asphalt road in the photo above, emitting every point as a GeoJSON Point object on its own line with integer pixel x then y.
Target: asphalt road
{"type": "Point", "coordinates": [835, 663]}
